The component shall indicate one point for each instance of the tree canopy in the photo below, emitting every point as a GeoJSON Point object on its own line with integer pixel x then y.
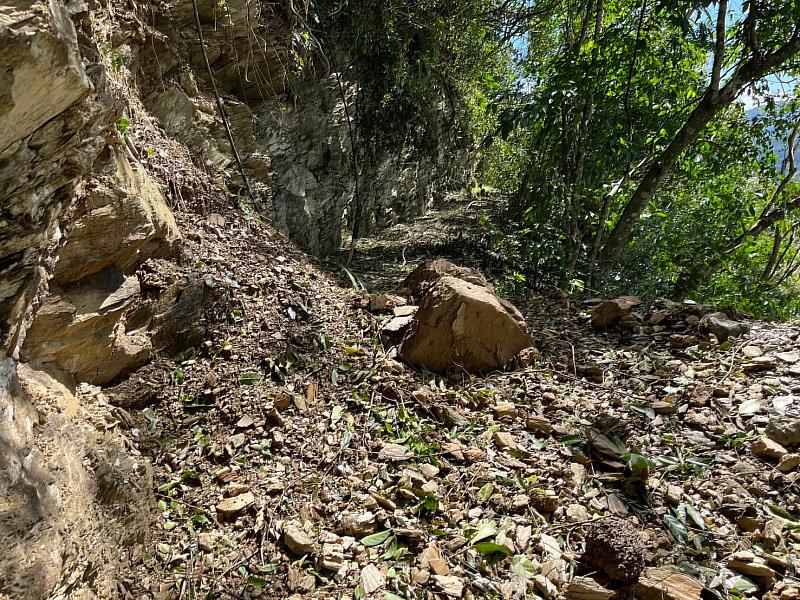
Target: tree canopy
{"type": "Point", "coordinates": [644, 146]}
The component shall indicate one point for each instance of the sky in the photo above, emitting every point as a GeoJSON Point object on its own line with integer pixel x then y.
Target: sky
{"type": "Point", "coordinates": [778, 86]}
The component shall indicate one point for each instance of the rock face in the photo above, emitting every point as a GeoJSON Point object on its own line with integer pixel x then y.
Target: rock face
{"type": "Point", "coordinates": [461, 326]}
{"type": "Point", "coordinates": [124, 220]}
{"type": "Point", "coordinates": [615, 547]}
{"type": "Point", "coordinates": [65, 481]}
{"type": "Point", "coordinates": [313, 187]}
{"type": "Point", "coordinates": [95, 322]}
{"type": "Point", "coordinates": [50, 127]}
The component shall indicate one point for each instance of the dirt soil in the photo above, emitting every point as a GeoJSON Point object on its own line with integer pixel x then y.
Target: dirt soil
{"type": "Point", "coordinates": [295, 457]}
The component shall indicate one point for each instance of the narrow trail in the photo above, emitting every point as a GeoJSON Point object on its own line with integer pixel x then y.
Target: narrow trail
{"type": "Point", "coordinates": [450, 230]}
{"type": "Point", "coordinates": [295, 458]}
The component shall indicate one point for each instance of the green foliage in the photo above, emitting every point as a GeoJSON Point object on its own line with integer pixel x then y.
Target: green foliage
{"type": "Point", "coordinates": [123, 124]}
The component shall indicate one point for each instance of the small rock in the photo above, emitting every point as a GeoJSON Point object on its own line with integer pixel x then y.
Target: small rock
{"type": "Point", "coordinates": [238, 440]}
{"type": "Point", "coordinates": [232, 507]}
{"type": "Point", "coordinates": [789, 462]}
{"type": "Point", "coordinates": [788, 357]}
{"type": "Point", "coordinates": [282, 401]}
{"type": "Point", "coordinates": [768, 449]}
{"type": "Point", "coordinates": [504, 410]}
{"type": "Point", "coordinates": [681, 341]}
{"type": "Point", "coordinates": [577, 513]}
{"type": "Point", "coordinates": [586, 588]}
{"type": "Point", "coordinates": [664, 407]}
{"type": "Point", "coordinates": [609, 313]}
{"type": "Point", "coordinates": [750, 565]}
{"type": "Point", "coordinates": [473, 455]}
{"type": "Point", "coordinates": [674, 494]}
{"type": "Point", "coordinates": [431, 559]}
{"type": "Point", "coordinates": [394, 452]}
{"type": "Point", "coordinates": [772, 534]}
{"type": "Point", "coordinates": [659, 584]}
{"type": "Point", "coordinates": [236, 488]}
{"type": "Point", "coordinates": [380, 302]}
{"type": "Point", "coordinates": [332, 556]}
{"type": "Point", "coordinates": [544, 502]}
{"type": "Point", "coordinates": [206, 542]}
{"type": "Point", "coordinates": [752, 351]}
{"type": "Point", "coordinates": [504, 440]}
{"type": "Point", "coordinates": [449, 585]}
{"type": "Point", "coordinates": [722, 327]}
{"type": "Point", "coordinates": [245, 422]}
{"type": "Point", "coordinates": [297, 540]}
{"type": "Point", "coordinates": [359, 524]}
{"type": "Point", "coordinates": [538, 423]}
{"type": "Point", "coordinates": [371, 579]}
{"type": "Point", "coordinates": [404, 311]}
{"type": "Point", "coordinates": [784, 431]}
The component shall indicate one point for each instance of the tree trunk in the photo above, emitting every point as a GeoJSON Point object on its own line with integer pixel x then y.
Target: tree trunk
{"type": "Point", "coordinates": [747, 71]}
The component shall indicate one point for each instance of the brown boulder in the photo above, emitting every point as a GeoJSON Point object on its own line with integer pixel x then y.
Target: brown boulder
{"type": "Point", "coordinates": [425, 276]}
{"type": "Point", "coordinates": [463, 325]}
{"type": "Point", "coordinates": [609, 313]}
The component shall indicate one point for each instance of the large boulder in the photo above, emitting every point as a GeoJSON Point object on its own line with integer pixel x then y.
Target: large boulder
{"type": "Point", "coordinates": [722, 326]}
{"type": "Point", "coordinates": [609, 313]}
{"type": "Point", "coordinates": [422, 279]}
{"type": "Point", "coordinates": [463, 326]}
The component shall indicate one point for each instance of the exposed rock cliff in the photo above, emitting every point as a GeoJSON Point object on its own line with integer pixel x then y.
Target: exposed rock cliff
{"type": "Point", "coordinates": [108, 123]}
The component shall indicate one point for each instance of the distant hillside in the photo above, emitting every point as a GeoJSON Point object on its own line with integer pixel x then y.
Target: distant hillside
{"type": "Point", "coordinates": [778, 142]}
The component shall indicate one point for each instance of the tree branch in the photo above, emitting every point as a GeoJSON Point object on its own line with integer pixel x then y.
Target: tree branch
{"type": "Point", "coordinates": [719, 48]}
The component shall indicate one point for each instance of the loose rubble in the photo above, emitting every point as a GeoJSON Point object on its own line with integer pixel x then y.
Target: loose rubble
{"type": "Point", "coordinates": [365, 477]}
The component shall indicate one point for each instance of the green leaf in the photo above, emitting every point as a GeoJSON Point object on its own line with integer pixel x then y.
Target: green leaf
{"type": "Point", "coordinates": [487, 548]}
{"type": "Point", "coordinates": [376, 539]}
{"type": "Point", "coordinates": [695, 516]}
{"type": "Point", "coordinates": [522, 567]}
{"type": "Point", "coordinates": [486, 491]}
{"type": "Point", "coordinates": [250, 378]}
{"type": "Point", "coordinates": [676, 529]}
{"type": "Point", "coordinates": [486, 529]}
{"type": "Point", "coordinates": [336, 414]}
